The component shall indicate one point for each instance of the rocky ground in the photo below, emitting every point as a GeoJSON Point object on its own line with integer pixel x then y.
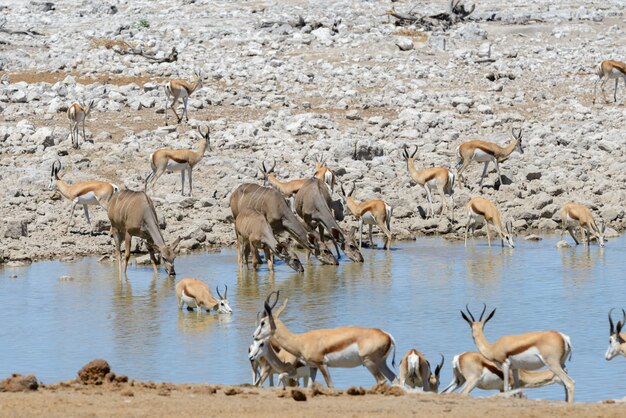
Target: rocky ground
{"type": "Point", "coordinates": [344, 80]}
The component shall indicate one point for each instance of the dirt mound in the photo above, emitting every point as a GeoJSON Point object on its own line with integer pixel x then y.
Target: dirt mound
{"type": "Point", "coordinates": [356, 391]}
{"type": "Point", "coordinates": [385, 389]}
{"type": "Point", "coordinates": [19, 383]}
{"type": "Point", "coordinates": [95, 372]}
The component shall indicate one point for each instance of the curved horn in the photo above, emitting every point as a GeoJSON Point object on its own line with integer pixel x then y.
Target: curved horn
{"type": "Point", "coordinates": [343, 192]}
{"type": "Point", "coordinates": [269, 297]}
{"type": "Point", "coordinates": [482, 313]}
{"type": "Point", "coordinates": [217, 289]}
{"type": "Point", "coordinates": [414, 152]}
{"type": "Point", "coordinates": [273, 166]}
{"type": "Point", "coordinates": [470, 313]}
{"type": "Point", "coordinates": [353, 187]}
{"type": "Point", "coordinates": [225, 291]}
{"type": "Point", "coordinates": [405, 153]}
{"type": "Point", "coordinates": [440, 365]}
{"type": "Point", "coordinates": [611, 325]}
{"type": "Point", "coordinates": [263, 167]}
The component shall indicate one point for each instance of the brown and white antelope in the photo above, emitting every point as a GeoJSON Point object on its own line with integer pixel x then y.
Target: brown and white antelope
{"type": "Point", "coordinates": [255, 233]}
{"type": "Point", "coordinates": [182, 160]}
{"type": "Point", "coordinates": [272, 205]}
{"type": "Point", "coordinates": [480, 209]}
{"type": "Point", "coordinates": [132, 214]}
{"type": "Point", "coordinates": [324, 173]}
{"type": "Point", "coordinates": [607, 70]}
{"type": "Point", "coordinates": [617, 338]}
{"type": "Point", "coordinates": [196, 294]}
{"type": "Point", "coordinates": [181, 89]}
{"type": "Point", "coordinates": [77, 113]}
{"type": "Point", "coordinates": [370, 212]}
{"type": "Point", "coordinates": [84, 193]}
{"type": "Point", "coordinates": [576, 215]}
{"type": "Point", "coordinates": [346, 347]}
{"type": "Point", "coordinates": [474, 371]}
{"type": "Point", "coordinates": [287, 188]}
{"type": "Point", "coordinates": [528, 351]}
{"type": "Point", "coordinates": [415, 372]}
{"type": "Point", "coordinates": [435, 178]}
{"type": "Point", "coordinates": [486, 152]}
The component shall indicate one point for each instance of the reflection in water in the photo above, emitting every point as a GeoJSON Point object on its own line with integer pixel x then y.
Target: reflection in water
{"type": "Point", "coordinates": [414, 292]}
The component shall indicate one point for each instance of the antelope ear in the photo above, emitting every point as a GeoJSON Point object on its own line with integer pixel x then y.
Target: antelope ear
{"type": "Point", "coordinates": [466, 318]}
{"type": "Point", "coordinates": [175, 243]}
{"type": "Point", "coordinates": [489, 316]}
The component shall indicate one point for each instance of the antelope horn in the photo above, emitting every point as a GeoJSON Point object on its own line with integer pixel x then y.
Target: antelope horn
{"type": "Point", "coordinates": [267, 300]}
{"type": "Point", "coordinates": [440, 365]}
{"type": "Point", "coordinates": [263, 167]}
{"type": "Point", "coordinates": [217, 289]}
{"type": "Point", "coordinates": [414, 152]}
{"type": "Point", "coordinates": [482, 313]}
{"type": "Point", "coordinates": [353, 187]}
{"type": "Point", "coordinates": [272, 169]}
{"type": "Point", "coordinates": [470, 313]}
{"type": "Point", "coordinates": [611, 325]}
{"type": "Point", "coordinates": [225, 291]}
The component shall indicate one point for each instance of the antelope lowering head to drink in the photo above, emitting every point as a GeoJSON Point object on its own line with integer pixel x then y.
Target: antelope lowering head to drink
{"type": "Point", "coordinates": [324, 173]}
{"type": "Point", "coordinates": [183, 160]}
{"type": "Point", "coordinates": [83, 193]}
{"type": "Point", "coordinates": [313, 204]}
{"type": "Point", "coordinates": [415, 372]}
{"type": "Point", "coordinates": [272, 205]}
{"type": "Point", "coordinates": [576, 215]}
{"type": "Point", "coordinates": [370, 212]}
{"type": "Point", "coordinates": [617, 339]}
{"type": "Point", "coordinates": [196, 294]}
{"type": "Point", "coordinates": [529, 351]}
{"type": "Point", "coordinates": [481, 209]}
{"type": "Point", "coordinates": [77, 113]}
{"type": "Point", "coordinates": [607, 70]}
{"type": "Point", "coordinates": [346, 347]}
{"type": "Point", "coordinates": [435, 178]}
{"type": "Point", "coordinates": [132, 214]}
{"type": "Point", "coordinates": [181, 89]}
{"type": "Point", "coordinates": [486, 152]}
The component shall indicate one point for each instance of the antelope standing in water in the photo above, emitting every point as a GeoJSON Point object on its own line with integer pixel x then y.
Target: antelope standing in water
{"type": "Point", "coordinates": [77, 113]}
{"type": "Point", "coordinates": [132, 214]}
{"type": "Point", "coordinates": [415, 372]}
{"type": "Point", "coordinates": [181, 89]}
{"type": "Point", "coordinates": [529, 351]}
{"type": "Point", "coordinates": [474, 371]}
{"type": "Point", "coordinates": [177, 160]}
{"type": "Point", "coordinates": [480, 208]}
{"type": "Point", "coordinates": [435, 178]}
{"type": "Point", "coordinates": [607, 70]}
{"type": "Point", "coordinates": [84, 193]}
{"type": "Point", "coordinates": [486, 152]}
{"type": "Point", "coordinates": [346, 347]}
{"type": "Point", "coordinates": [370, 213]}
{"type": "Point", "coordinates": [576, 215]}
{"type": "Point", "coordinates": [617, 339]}
{"type": "Point", "coordinates": [196, 294]}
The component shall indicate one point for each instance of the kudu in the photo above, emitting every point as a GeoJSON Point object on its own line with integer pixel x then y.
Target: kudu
{"type": "Point", "coordinates": [132, 214]}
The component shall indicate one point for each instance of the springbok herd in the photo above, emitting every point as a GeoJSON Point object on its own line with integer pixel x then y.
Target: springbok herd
{"type": "Point", "coordinates": [305, 210]}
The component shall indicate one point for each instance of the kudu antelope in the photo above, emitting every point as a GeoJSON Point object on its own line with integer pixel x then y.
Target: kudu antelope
{"type": "Point", "coordinates": [576, 215]}
{"type": "Point", "coordinates": [313, 204]}
{"type": "Point", "coordinates": [272, 205]}
{"type": "Point", "coordinates": [287, 188]}
{"type": "Point", "coordinates": [480, 208]}
{"type": "Point", "coordinates": [472, 370]}
{"type": "Point", "coordinates": [196, 294]}
{"type": "Point", "coordinates": [486, 152]}
{"type": "Point", "coordinates": [370, 212]}
{"type": "Point", "coordinates": [434, 178]}
{"type": "Point", "coordinates": [77, 113]}
{"type": "Point", "coordinates": [132, 214]}
{"type": "Point", "coordinates": [607, 70]}
{"type": "Point", "coordinates": [254, 232]}
{"type": "Point", "coordinates": [84, 193]}
{"type": "Point", "coordinates": [529, 351]}
{"type": "Point", "coordinates": [617, 339]}
{"type": "Point", "coordinates": [181, 89]}
{"type": "Point", "coordinates": [182, 160]}
{"type": "Point", "coordinates": [345, 347]}
{"type": "Point", "coordinates": [415, 372]}
{"type": "Point", "coordinates": [324, 173]}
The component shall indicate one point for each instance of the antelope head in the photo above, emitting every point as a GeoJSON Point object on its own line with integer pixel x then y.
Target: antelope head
{"type": "Point", "coordinates": [290, 258]}
{"type": "Point", "coordinates": [260, 347]}
{"type": "Point", "coordinates": [168, 254]}
{"type": "Point", "coordinates": [206, 137]}
{"type": "Point", "coordinates": [198, 80]}
{"type": "Point", "coordinates": [434, 377]}
{"type": "Point", "coordinates": [508, 234]}
{"type": "Point", "coordinates": [347, 195]}
{"type": "Point", "coordinates": [267, 326]}
{"type": "Point", "coordinates": [517, 135]}
{"type": "Point", "coordinates": [600, 233]}
{"type": "Point", "coordinates": [266, 172]}
{"type": "Point", "coordinates": [617, 345]}
{"type": "Point", "coordinates": [54, 174]}
{"type": "Point", "coordinates": [319, 161]}
{"type": "Point", "coordinates": [222, 303]}
{"type": "Point", "coordinates": [477, 326]}
{"type": "Point", "coordinates": [321, 250]}
{"type": "Point", "coordinates": [350, 246]}
{"type": "Point", "coordinates": [406, 155]}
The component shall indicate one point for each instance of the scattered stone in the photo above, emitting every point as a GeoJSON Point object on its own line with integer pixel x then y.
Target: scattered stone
{"type": "Point", "coordinates": [298, 395]}
{"type": "Point", "coordinates": [19, 383]}
{"type": "Point", "coordinates": [356, 391]}
{"type": "Point", "coordinates": [404, 43]}
{"type": "Point", "coordinates": [563, 244]}
{"type": "Point", "coordinates": [533, 237]}
{"type": "Point", "coordinates": [232, 391]}
{"type": "Point", "coordinates": [94, 372]}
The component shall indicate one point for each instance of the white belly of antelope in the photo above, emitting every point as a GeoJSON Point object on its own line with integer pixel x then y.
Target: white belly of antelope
{"type": "Point", "coordinates": [368, 219]}
{"type": "Point", "coordinates": [348, 357]}
{"type": "Point", "coordinates": [527, 360]}
{"type": "Point", "coordinates": [490, 381]}
{"type": "Point", "coordinates": [615, 73]}
{"type": "Point", "coordinates": [189, 301]}
{"type": "Point", "coordinates": [174, 166]}
{"type": "Point", "coordinates": [87, 199]}
{"type": "Point", "coordinates": [482, 156]}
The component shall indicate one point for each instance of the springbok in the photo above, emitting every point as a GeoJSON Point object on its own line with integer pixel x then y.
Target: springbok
{"type": "Point", "coordinates": [486, 152]}
{"type": "Point", "coordinates": [84, 193]}
{"type": "Point", "coordinates": [287, 188]}
{"type": "Point", "coordinates": [617, 339]}
{"type": "Point", "coordinates": [370, 213]}
{"type": "Point", "coordinates": [132, 214]}
{"type": "Point", "coordinates": [575, 214]}
{"type": "Point", "coordinates": [435, 178]}
{"type": "Point", "coordinates": [272, 205]}
{"type": "Point", "coordinates": [324, 173]}
{"type": "Point", "coordinates": [254, 232]}
{"type": "Point", "coordinates": [177, 160]}
{"type": "Point", "coordinates": [313, 204]}
{"type": "Point", "coordinates": [474, 371]}
{"type": "Point", "coordinates": [77, 113]}
{"type": "Point", "coordinates": [415, 372]}
{"type": "Point", "coordinates": [181, 89]}
{"type": "Point", "coordinates": [196, 294]}
{"type": "Point", "coordinates": [607, 70]}
{"type": "Point", "coordinates": [529, 351]}
{"type": "Point", "coordinates": [346, 347]}
{"type": "Point", "coordinates": [480, 208]}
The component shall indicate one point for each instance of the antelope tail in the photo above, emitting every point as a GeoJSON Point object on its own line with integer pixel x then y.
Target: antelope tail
{"type": "Point", "coordinates": [389, 211]}
{"type": "Point", "coordinates": [451, 179]}
{"type": "Point", "coordinates": [148, 177]}
{"type": "Point", "coordinates": [393, 343]}
{"type": "Point", "coordinates": [568, 348]}
{"type": "Point", "coordinates": [459, 163]}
